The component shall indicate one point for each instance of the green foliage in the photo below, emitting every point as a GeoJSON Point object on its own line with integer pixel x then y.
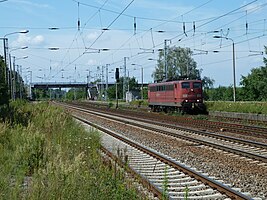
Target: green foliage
{"type": "Point", "coordinates": [139, 103]}
{"type": "Point", "coordinates": [219, 94]}
{"type": "Point", "coordinates": [145, 93]}
{"type": "Point", "coordinates": [165, 184]}
{"type": "Point", "coordinates": [186, 195]}
{"type": "Point", "coordinates": [133, 85]}
{"type": "Point", "coordinates": [112, 92]}
{"type": "Point", "coordinates": [76, 93]}
{"type": "Point", "coordinates": [110, 104]}
{"type": "Point", "coordinates": [180, 63]}
{"type": "Point", "coordinates": [53, 157]}
{"type": "Point", "coordinates": [254, 84]}
{"type": "Point", "coordinates": [241, 107]}
{"type": "Point", "coordinates": [19, 113]}
{"type": "Point", "coordinates": [40, 94]}
{"type": "Point", "coordinates": [4, 97]}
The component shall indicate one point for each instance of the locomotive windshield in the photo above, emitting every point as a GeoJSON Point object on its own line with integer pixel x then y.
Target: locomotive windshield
{"type": "Point", "coordinates": [185, 84]}
{"type": "Point", "coordinates": [196, 85]}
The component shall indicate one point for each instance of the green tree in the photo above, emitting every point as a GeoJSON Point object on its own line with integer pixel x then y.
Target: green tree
{"type": "Point", "coordinates": [4, 97]}
{"type": "Point", "coordinates": [40, 94]}
{"type": "Point", "coordinates": [219, 94]}
{"type": "Point", "coordinates": [180, 65]}
{"type": "Point", "coordinates": [76, 93]}
{"type": "Point", "coordinates": [131, 83]}
{"type": "Point", "coordinates": [255, 83]}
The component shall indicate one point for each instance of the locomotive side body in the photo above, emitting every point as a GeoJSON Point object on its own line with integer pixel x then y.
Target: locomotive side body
{"type": "Point", "coordinates": [184, 95]}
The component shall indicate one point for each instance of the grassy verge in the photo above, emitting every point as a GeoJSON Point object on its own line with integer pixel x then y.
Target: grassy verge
{"type": "Point", "coordinates": [241, 107]}
{"type": "Point", "coordinates": [44, 154]}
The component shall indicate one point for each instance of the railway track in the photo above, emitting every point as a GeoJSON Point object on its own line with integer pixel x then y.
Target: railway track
{"type": "Point", "coordinates": [223, 126]}
{"type": "Point", "coordinates": [165, 176]}
{"type": "Point", "coordinates": [202, 124]}
{"type": "Point", "coordinates": [244, 148]}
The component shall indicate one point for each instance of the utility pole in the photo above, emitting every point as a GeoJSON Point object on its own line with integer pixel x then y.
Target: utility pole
{"type": "Point", "coordinates": [117, 102]}
{"type": "Point", "coordinates": [117, 77]}
{"type": "Point", "coordinates": [89, 77]}
{"type": "Point", "coordinates": [142, 77]}
{"type": "Point", "coordinates": [10, 84]}
{"type": "Point", "coordinates": [165, 59]}
{"type": "Point", "coordinates": [6, 57]}
{"type": "Point", "coordinates": [128, 81]}
{"type": "Point", "coordinates": [102, 82]}
{"type": "Point", "coordinates": [30, 84]}
{"type": "Point", "coordinates": [14, 79]}
{"type": "Point", "coordinates": [106, 91]}
{"type": "Point", "coordinates": [234, 86]}
{"type": "Point", "coordinates": [21, 83]}
{"type": "Point", "coordinates": [233, 54]}
{"type": "Point", "coordinates": [124, 78]}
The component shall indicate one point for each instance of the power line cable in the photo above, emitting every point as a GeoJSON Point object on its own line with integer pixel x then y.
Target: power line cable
{"type": "Point", "coordinates": [100, 34]}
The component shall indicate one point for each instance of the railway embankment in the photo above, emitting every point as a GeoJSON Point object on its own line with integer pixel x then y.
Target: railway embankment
{"type": "Point", "coordinates": [236, 115]}
{"type": "Point", "coordinates": [46, 154]}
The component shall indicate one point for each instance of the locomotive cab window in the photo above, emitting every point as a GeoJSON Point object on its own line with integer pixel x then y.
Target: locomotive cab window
{"type": "Point", "coordinates": [152, 89]}
{"type": "Point", "coordinates": [186, 85]}
{"type": "Point", "coordinates": [196, 85]}
{"type": "Point", "coordinates": [169, 87]}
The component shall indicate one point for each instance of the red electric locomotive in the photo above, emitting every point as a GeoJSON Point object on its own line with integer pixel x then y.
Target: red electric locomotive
{"type": "Point", "coordinates": [183, 95]}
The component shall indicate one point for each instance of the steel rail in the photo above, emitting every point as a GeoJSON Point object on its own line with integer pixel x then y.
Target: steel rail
{"type": "Point", "coordinates": [215, 125]}
{"type": "Point", "coordinates": [198, 176]}
{"type": "Point", "coordinates": [237, 128]}
{"type": "Point", "coordinates": [212, 125]}
{"type": "Point", "coordinates": [155, 190]}
{"type": "Point", "coordinates": [213, 145]}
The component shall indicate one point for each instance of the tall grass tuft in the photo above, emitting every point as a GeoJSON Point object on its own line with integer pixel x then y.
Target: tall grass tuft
{"type": "Point", "coordinates": [45, 154]}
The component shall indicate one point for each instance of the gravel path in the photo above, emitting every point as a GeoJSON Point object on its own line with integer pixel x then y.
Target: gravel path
{"type": "Point", "coordinates": [231, 169]}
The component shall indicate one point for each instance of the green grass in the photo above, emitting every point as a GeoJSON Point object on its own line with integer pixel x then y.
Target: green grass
{"type": "Point", "coordinates": [139, 103]}
{"type": "Point", "coordinates": [241, 107]}
{"type": "Point", "coordinates": [45, 154]}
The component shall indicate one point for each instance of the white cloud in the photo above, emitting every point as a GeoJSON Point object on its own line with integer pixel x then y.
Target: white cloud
{"type": "Point", "coordinates": [24, 40]}
{"type": "Point", "coordinates": [29, 3]}
{"type": "Point", "coordinates": [92, 62]}
{"type": "Point", "coordinates": [39, 39]}
{"type": "Point", "coordinates": [93, 36]}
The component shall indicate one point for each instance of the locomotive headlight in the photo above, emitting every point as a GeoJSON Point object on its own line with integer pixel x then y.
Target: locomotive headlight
{"type": "Point", "coordinates": [185, 95]}
{"type": "Point", "coordinates": [197, 100]}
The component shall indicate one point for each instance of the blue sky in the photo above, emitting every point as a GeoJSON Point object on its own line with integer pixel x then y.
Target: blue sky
{"type": "Point", "coordinates": [156, 20]}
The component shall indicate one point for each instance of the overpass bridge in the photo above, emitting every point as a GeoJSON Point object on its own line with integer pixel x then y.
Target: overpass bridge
{"type": "Point", "coordinates": [46, 85]}
{"type": "Point", "coordinates": [91, 90]}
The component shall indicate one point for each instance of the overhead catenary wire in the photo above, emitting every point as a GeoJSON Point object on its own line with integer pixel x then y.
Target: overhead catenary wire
{"type": "Point", "coordinates": [214, 19]}
{"type": "Point", "coordinates": [78, 57]}
{"type": "Point", "coordinates": [170, 21]}
{"type": "Point", "coordinates": [196, 33]}
{"type": "Point", "coordinates": [75, 36]}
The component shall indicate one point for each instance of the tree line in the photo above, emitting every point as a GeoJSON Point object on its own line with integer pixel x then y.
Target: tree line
{"type": "Point", "coordinates": [181, 65]}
